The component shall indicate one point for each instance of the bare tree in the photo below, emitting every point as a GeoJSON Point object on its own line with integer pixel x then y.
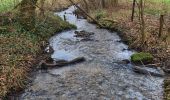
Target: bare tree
{"type": "Point", "coordinates": [133, 10]}
{"type": "Point", "coordinates": [103, 3]}
{"type": "Point", "coordinates": [142, 21]}
{"type": "Point", "coordinates": [161, 21]}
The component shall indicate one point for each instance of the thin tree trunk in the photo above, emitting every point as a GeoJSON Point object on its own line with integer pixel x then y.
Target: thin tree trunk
{"type": "Point", "coordinates": [115, 3]}
{"type": "Point", "coordinates": [27, 14]}
{"type": "Point", "coordinates": [168, 38]}
{"type": "Point", "coordinates": [142, 22]}
{"type": "Point", "coordinates": [161, 25]}
{"type": "Point", "coordinates": [133, 10]}
{"type": "Point", "coordinates": [103, 4]}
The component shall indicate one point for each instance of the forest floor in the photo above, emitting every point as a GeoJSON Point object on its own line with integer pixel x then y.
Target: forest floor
{"type": "Point", "coordinates": [19, 49]}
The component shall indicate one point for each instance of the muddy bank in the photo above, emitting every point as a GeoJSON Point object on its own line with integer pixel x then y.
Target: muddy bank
{"type": "Point", "coordinates": [100, 76]}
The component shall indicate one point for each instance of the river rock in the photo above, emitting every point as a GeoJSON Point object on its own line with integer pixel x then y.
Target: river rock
{"type": "Point", "coordinates": [83, 34]}
{"type": "Point", "coordinates": [166, 65]}
{"type": "Point", "coordinates": [49, 50]}
{"type": "Point", "coordinates": [167, 70]}
{"type": "Point", "coordinates": [126, 61]}
{"type": "Point", "coordinates": [87, 39]}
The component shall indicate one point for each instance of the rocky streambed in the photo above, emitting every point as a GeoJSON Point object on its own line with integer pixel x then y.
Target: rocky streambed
{"type": "Point", "coordinates": [103, 76]}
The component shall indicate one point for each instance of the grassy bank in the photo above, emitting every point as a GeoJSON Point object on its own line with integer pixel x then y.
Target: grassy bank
{"type": "Point", "coordinates": [7, 5]}
{"type": "Point", "coordinates": [19, 48]}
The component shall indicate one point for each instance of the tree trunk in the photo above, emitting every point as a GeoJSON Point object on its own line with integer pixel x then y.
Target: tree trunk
{"type": "Point", "coordinates": [115, 3]}
{"type": "Point", "coordinates": [133, 10]}
{"type": "Point", "coordinates": [142, 21]}
{"type": "Point", "coordinates": [161, 25]}
{"type": "Point", "coordinates": [27, 14]}
{"type": "Point", "coordinates": [103, 3]}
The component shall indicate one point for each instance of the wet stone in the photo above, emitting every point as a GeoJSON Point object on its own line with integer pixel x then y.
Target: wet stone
{"type": "Point", "coordinates": [86, 36]}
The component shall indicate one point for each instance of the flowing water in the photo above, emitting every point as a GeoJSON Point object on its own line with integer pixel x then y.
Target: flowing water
{"type": "Point", "coordinates": [100, 77]}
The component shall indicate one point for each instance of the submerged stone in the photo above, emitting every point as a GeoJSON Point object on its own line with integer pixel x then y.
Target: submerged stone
{"type": "Point", "coordinates": [83, 34]}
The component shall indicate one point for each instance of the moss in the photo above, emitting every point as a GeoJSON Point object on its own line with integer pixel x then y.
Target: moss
{"type": "Point", "coordinates": [144, 57]}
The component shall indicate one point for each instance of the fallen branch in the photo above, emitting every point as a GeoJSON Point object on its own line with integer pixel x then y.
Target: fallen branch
{"type": "Point", "coordinates": [144, 71]}
{"type": "Point", "coordinates": [86, 13]}
{"type": "Point", "coordinates": [44, 65]}
{"type": "Point", "coordinates": [155, 66]}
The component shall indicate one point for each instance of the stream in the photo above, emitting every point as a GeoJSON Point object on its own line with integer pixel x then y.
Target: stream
{"type": "Point", "coordinates": [101, 77]}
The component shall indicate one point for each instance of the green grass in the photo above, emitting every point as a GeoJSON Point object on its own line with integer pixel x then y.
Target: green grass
{"type": "Point", "coordinates": [7, 5]}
